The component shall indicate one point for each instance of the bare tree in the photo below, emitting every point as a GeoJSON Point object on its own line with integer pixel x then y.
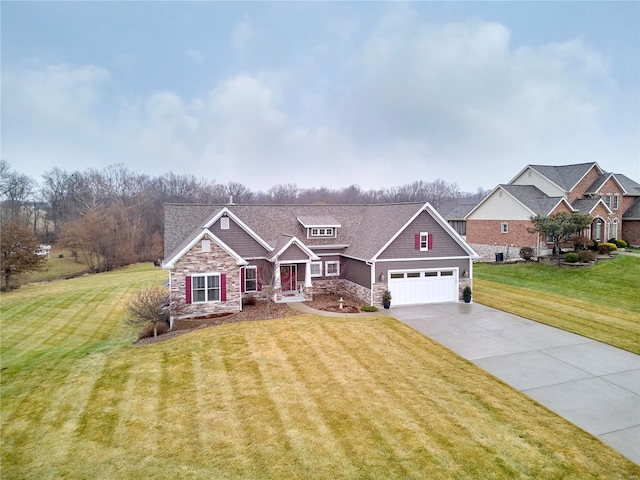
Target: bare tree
{"type": "Point", "coordinates": [149, 304]}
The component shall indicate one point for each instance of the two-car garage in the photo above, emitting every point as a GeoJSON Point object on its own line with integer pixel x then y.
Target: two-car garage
{"type": "Point", "coordinates": [409, 287]}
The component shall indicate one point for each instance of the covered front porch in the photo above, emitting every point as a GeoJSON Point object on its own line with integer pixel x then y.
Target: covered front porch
{"type": "Point", "coordinates": [292, 282]}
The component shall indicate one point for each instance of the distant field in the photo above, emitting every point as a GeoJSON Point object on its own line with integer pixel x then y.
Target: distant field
{"type": "Point", "coordinates": [601, 302]}
{"type": "Point", "coordinates": [298, 398]}
{"type": "Point", "coordinates": [56, 267]}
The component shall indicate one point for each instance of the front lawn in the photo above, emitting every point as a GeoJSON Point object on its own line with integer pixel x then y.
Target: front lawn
{"type": "Point", "coordinates": [300, 397]}
{"type": "Point", "coordinates": [599, 302]}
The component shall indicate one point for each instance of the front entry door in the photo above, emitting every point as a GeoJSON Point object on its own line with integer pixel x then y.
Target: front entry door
{"type": "Point", "coordinates": [288, 278]}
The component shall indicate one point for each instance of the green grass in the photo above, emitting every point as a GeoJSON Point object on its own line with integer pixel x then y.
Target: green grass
{"type": "Point", "coordinates": [599, 302]}
{"type": "Point", "coordinates": [301, 397]}
{"type": "Point", "coordinates": [56, 268]}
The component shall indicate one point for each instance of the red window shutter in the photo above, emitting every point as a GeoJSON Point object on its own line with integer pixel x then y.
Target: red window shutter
{"type": "Point", "coordinates": [259, 275]}
{"type": "Point", "coordinates": [242, 280]}
{"type": "Point", "coordinates": [417, 241]}
{"type": "Point", "coordinates": [430, 241]}
{"type": "Point", "coordinates": [223, 287]}
{"type": "Point", "coordinates": [187, 282]}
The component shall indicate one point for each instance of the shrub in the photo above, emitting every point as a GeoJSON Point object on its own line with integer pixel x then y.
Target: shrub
{"type": "Point", "coordinates": [580, 242]}
{"type": "Point", "coordinates": [526, 253]}
{"type": "Point", "coordinates": [594, 246]}
{"type": "Point", "coordinates": [587, 256]}
{"type": "Point", "coordinates": [147, 331]}
{"type": "Point", "coordinates": [605, 248]}
{"type": "Point", "coordinates": [620, 243]}
{"type": "Point", "coordinates": [369, 308]}
{"type": "Point", "coordinates": [571, 257]}
{"type": "Point", "coordinates": [466, 291]}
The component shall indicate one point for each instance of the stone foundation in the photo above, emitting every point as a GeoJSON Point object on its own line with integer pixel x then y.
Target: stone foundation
{"type": "Point", "coordinates": [342, 287]}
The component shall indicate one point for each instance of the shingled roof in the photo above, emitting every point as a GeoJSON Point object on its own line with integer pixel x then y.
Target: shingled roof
{"type": "Point", "coordinates": [363, 231]}
{"type": "Point", "coordinates": [633, 212]}
{"type": "Point", "coordinates": [533, 198]}
{"type": "Point", "coordinates": [565, 176]}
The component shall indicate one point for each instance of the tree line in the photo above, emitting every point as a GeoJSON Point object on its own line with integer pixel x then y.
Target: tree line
{"type": "Point", "coordinates": [114, 216]}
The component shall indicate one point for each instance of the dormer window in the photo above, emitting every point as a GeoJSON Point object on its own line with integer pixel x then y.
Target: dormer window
{"type": "Point", "coordinates": [320, 227]}
{"type": "Point", "coordinates": [322, 232]}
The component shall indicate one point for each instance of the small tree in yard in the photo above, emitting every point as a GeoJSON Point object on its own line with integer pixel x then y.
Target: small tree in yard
{"type": "Point", "coordinates": [149, 303]}
{"type": "Point", "coordinates": [560, 227]}
{"type": "Point", "coordinates": [18, 251]}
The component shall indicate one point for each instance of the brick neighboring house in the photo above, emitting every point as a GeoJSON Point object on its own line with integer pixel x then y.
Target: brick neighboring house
{"type": "Point", "coordinates": [219, 255]}
{"type": "Point", "coordinates": [500, 222]}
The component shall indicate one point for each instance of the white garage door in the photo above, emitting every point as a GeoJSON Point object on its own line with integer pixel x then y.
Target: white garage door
{"type": "Point", "coordinates": [424, 286]}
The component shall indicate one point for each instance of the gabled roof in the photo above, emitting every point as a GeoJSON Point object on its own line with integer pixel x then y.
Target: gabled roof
{"type": "Point", "coordinates": [192, 241]}
{"type": "Point", "coordinates": [601, 180]}
{"type": "Point", "coordinates": [588, 205]}
{"type": "Point", "coordinates": [284, 242]}
{"type": "Point", "coordinates": [361, 229]}
{"type": "Point", "coordinates": [538, 202]}
{"type": "Point", "coordinates": [566, 177]}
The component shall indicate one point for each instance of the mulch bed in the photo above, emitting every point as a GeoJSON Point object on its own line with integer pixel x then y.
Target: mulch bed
{"type": "Point", "coordinates": [253, 313]}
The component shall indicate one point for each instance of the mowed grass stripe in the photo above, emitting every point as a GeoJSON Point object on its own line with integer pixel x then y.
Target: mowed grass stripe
{"type": "Point", "coordinates": [435, 423]}
{"type": "Point", "coordinates": [617, 327]}
{"type": "Point", "coordinates": [360, 401]}
{"type": "Point", "coordinates": [39, 430]}
{"type": "Point", "coordinates": [313, 442]}
{"type": "Point", "coordinates": [262, 427]}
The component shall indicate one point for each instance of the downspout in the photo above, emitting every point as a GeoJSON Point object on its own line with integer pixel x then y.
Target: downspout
{"type": "Point", "coordinates": [373, 279]}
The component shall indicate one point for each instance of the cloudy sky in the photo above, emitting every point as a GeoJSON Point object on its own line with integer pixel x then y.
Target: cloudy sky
{"type": "Point", "coordinates": [321, 93]}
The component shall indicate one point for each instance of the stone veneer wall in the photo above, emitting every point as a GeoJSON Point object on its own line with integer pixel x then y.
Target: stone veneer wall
{"type": "Point", "coordinates": [196, 262]}
{"type": "Point", "coordinates": [488, 252]}
{"type": "Point", "coordinates": [340, 286]}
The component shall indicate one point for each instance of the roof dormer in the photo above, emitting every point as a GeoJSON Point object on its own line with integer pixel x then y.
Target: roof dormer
{"type": "Point", "coordinates": [320, 226]}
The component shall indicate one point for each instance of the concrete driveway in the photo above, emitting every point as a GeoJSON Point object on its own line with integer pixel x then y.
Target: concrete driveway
{"type": "Point", "coordinates": [591, 384]}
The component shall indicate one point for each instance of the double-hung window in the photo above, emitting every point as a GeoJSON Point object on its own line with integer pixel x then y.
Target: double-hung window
{"type": "Point", "coordinates": [251, 279]}
{"type": "Point", "coordinates": [316, 269]}
{"type": "Point", "coordinates": [424, 241]}
{"type": "Point", "coordinates": [332, 268]}
{"type": "Point", "coordinates": [205, 288]}
{"type": "Point", "coordinates": [504, 227]}
{"type": "Point", "coordinates": [616, 201]}
{"type": "Point", "coordinates": [607, 200]}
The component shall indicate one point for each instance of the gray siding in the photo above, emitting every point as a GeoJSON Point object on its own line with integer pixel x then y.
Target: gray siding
{"type": "Point", "coordinates": [294, 252]}
{"type": "Point", "coordinates": [237, 239]}
{"type": "Point", "coordinates": [356, 271]}
{"type": "Point", "coordinates": [404, 245]}
{"type": "Point", "coordinates": [463, 264]}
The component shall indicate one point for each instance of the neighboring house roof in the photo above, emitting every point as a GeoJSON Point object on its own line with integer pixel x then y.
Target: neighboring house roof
{"type": "Point", "coordinates": [458, 208]}
{"type": "Point", "coordinates": [633, 212]}
{"type": "Point", "coordinates": [533, 198]}
{"type": "Point", "coordinates": [631, 187]}
{"type": "Point", "coordinates": [588, 205]}
{"type": "Point", "coordinates": [564, 176]}
{"type": "Point", "coordinates": [362, 231]}
{"type": "Point", "coordinates": [601, 180]}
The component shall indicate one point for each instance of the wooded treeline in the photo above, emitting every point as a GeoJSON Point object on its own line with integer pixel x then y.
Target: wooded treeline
{"type": "Point", "coordinates": [115, 216]}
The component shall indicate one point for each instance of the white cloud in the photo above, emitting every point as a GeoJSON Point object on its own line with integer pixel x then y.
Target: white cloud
{"type": "Point", "coordinates": [414, 101]}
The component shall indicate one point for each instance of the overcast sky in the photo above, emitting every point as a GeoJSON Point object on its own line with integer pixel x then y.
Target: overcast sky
{"type": "Point", "coordinates": [321, 94]}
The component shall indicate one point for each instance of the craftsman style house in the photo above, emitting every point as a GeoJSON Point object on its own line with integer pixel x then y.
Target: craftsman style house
{"type": "Point", "coordinates": [219, 256]}
{"type": "Point", "coordinates": [501, 221]}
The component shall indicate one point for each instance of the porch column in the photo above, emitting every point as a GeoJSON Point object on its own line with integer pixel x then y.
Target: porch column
{"type": "Point", "coordinates": [278, 280]}
{"type": "Point", "coordinates": [307, 274]}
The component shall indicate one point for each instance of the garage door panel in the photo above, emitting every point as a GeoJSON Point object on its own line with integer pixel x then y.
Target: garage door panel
{"type": "Point", "coordinates": [423, 287]}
